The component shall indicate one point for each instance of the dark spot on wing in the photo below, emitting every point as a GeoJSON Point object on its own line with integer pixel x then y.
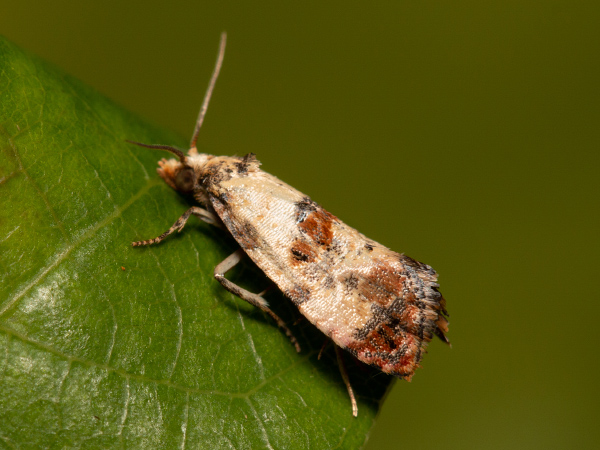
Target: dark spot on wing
{"type": "Point", "coordinates": [214, 173]}
{"type": "Point", "coordinates": [221, 169]}
{"type": "Point", "coordinates": [247, 236]}
{"type": "Point", "coordinates": [328, 282]}
{"type": "Point", "coordinates": [223, 197]}
{"type": "Point", "coordinates": [350, 282]}
{"type": "Point", "coordinates": [299, 256]}
{"type": "Point", "coordinates": [303, 208]}
{"type": "Point", "coordinates": [337, 249]}
{"type": "Point", "coordinates": [302, 252]}
{"type": "Point", "coordinates": [246, 163]}
{"type": "Point", "coordinates": [243, 232]}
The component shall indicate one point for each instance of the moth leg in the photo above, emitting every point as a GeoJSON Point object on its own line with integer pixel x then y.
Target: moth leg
{"type": "Point", "coordinates": [203, 214]}
{"type": "Point", "coordinates": [323, 348]}
{"type": "Point", "coordinates": [225, 266]}
{"type": "Point", "coordinates": [340, 359]}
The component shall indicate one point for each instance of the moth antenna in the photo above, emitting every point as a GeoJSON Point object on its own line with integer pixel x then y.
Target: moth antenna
{"type": "Point", "coordinates": [173, 150]}
{"type": "Point", "coordinates": [209, 90]}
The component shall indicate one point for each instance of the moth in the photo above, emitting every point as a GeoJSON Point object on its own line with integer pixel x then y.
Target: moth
{"type": "Point", "coordinates": [381, 306]}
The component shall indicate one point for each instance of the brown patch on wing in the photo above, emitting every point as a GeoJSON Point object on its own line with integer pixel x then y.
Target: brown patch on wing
{"type": "Point", "coordinates": [382, 283]}
{"type": "Point", "coordinates": [298, 294]}
{"type": "Point", "coordinates": [318, 225]}
{"type": "Point", "coordinates": [406, 311]}
{"type": "Point", "coordinates": [395, 354]}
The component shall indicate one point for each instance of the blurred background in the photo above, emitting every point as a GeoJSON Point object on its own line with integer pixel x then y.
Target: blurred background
{"type": "Point", "coordinates": [465, 135]}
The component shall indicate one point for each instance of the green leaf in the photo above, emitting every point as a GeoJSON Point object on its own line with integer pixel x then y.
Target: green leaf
{"type": "Point", "coordinates": [103, 345]}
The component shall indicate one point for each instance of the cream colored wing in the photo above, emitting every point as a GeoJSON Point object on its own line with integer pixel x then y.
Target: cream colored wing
{"type": "Point", "coordinates": [381, 306]}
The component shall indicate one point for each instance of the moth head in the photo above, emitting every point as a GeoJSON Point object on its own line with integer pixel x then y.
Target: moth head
{"type": "Point", "coordinates": [182, 173]}
{"type": "Point", "coordinates": [176, 174]}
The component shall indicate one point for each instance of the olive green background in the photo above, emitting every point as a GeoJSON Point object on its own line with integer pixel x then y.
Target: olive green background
{"type": "Point", "coordinates": [465, 134]}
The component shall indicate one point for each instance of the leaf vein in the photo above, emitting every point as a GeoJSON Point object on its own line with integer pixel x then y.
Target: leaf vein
{"type": "Point", "coordinates": [262, 427]}
{"type": "Point", "coordinates": [60, 257]}
{"type": "Point", "coordinates": [40, 192]}
{"type": "Point", "coordinates": [164, 382]}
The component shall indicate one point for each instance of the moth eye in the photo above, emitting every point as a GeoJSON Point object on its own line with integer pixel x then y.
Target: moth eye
{"type": "Point", "coordinates": [185, 179]}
